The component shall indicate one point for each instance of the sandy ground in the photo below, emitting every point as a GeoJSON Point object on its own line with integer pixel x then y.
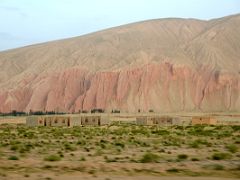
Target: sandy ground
{"type": "Point", "coordinates": [89, 177]}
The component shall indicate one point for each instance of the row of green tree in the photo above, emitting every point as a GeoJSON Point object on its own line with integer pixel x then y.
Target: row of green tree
{"type": "Point", "coordinates": [30, 113]}
{"type": "Point", "coordinates": [21, 113]}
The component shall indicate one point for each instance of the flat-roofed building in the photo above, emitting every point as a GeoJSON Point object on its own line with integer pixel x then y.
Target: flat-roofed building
{"type": "Point", "coordinates": [67, 121]}
{"type": "Point", "coordinates": [157, 120]}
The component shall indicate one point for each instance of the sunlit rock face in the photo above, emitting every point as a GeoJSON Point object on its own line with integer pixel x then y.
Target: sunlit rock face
{"type": "Point", "coordinates": [167, 65]}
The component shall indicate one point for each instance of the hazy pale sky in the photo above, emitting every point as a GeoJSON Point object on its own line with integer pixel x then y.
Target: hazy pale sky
{"type": "Point", "coordinates": [24, 22]}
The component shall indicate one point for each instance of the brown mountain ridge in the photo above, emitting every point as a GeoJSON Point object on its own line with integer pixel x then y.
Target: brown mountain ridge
{"type": "Point", "coordinates": [168, 65]}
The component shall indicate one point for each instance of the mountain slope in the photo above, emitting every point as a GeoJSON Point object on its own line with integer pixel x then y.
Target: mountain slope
{"type": "Point", "coordinates": [166, 65]}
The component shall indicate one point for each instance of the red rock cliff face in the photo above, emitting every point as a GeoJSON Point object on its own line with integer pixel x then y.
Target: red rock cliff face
{"type": "Point", "coordinates": [161, 87]}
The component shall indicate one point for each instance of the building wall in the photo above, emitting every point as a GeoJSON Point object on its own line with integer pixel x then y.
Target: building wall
{"type": "Point", "coordinates": [163, 120]}
{"type": "Point", "coordinates": [157, 120]}
{"type": "Point", "coordinates": [104, 120]}
{"type": "Point", "coordinates": [35, 121]}
{"type": "Point", "coordinates": [48, 121]}
{"type": "Point", "coordinates": [95, 120]}
{"type": "Point", "coordinates": [176, 121]}
{"type": "Point", "coordinates": [203, 120]}
{"type": "Point", "coordinates": [60, 121]}
{"type": "Point", "coordinates": [75, 121]}
{"type": "Point", "coordinates": [31, 121]}
{"type": "Point", "coordinates": [141, 121]}
{"type": "Point", "coordinates": [67, 121]}
{"type": "Point", "coordinates": [40, 121]}
{"type": "Point", "coordinates": [144, 121]}
{"type": "Point", "coordinates": [90, 120]}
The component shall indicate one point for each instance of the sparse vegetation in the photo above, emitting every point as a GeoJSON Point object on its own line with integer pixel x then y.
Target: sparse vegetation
{"type": "Point", "coordinates": [120, 144]}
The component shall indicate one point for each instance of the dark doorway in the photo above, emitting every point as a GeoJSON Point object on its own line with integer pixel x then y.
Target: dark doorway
{"type": "Point", "coordinates": [68, 122]}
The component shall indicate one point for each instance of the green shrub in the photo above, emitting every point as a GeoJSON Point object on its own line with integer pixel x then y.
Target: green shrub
{"type": "Point", "coordinates": [26, 175]}
{"type": "Point", "coordinates": [61, 154]}
{"type": "Point", "coordinates": [194, 159]}
{"type": "Point", "coordinates": [81, 142]}
{"type": "Point", "coordinates": [194, 144]}
{"type": "Point", "coordinates": [69, 147]}
{"type": "Point", "coordinates": [173, 170]}
{"type": "Point", "coordinates": [98, 152]}
{"type": "Point", "coordinates": [214, 167]}
{"type": "Point", "coordinates": [198, 142]}
{"type": "Point", "coordinates": [232, 148]}
{"type": "Point", "coordinates": [200, 130]}
{"type": "Point", "coordinates": [13, 158]}
{"type": "Point", "coordinates": [161, 132]}
{"type": "Point", "coordinates": [218, 167]}
{"type": "Point", "coordinates": [220, 156]}
{"type": "Point", "coordinates": [47, 166]}
{"type": "Point", "coordinates": [236, 128]}
{"type": "Point", "coordinates": [82, 158]}
{"type": "Point", "coordinates": [182, 156]}
{"type": "Point", "coordinates": [24, 148]}
{"type": "Point", "coordinates": [107, 159]}
{"type": "Point", "coordinates": [92, 171]}
{"type": "Point", "coordinates": [149, 158]}
{"type": "Point", "coordinates": [14, 147]}
{"type": "Point", "coordinates": [119, 144]}
{"type": "Point", "coordinates": [52, 158]}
